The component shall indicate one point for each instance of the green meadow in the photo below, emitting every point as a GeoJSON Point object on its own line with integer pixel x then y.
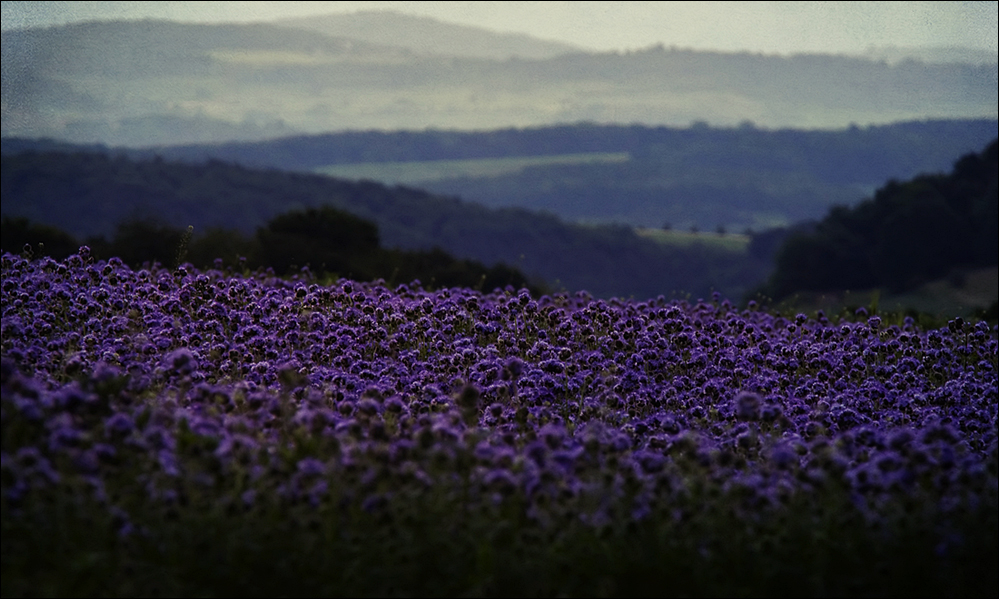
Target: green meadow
{"type": "Point", "coordinates": [961, 292]}
{"type": "Point", "coordinates": [735, 242]}
{"type": "Point", "coordinates": [406, 173]}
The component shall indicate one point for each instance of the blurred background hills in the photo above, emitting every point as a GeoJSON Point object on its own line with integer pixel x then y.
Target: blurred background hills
{"type": "Point", "coordinates": [903, 238]}
{"type": "Point", "coordinates": [658, 170]}
{"type": "Point", "coordinates": [424, 35]}
{"type": "Point", "coordinates": [139, 83]}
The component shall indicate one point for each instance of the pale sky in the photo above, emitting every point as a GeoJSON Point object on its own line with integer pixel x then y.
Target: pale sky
{"type": "Point", "coordinates": [767, 27]}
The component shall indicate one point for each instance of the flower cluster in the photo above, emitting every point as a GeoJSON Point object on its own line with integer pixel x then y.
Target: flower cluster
{"type": "Point", "coordinates": [249, 389]}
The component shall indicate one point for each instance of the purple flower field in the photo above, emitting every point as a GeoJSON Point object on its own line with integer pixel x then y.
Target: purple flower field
{"type": "Point", "coordinates": [145, 395]}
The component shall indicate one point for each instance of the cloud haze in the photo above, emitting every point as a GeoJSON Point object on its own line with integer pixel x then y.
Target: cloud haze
{"type": "Point", "coordinates": [768, 27]}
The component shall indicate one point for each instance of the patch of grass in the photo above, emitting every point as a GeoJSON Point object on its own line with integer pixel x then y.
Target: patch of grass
{"type": "Point", "coordinates": [965, 293]}
{"type": "Point", "coordinates": [729, 241]}
{"type": "Point", "coordinates": [434, 170]}
{"type": "Point", "coordinates": [293, 58]}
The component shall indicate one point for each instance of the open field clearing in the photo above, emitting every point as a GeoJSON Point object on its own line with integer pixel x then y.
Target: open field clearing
{"type": "Point", "coordinates": [408, 173]}
{"type": "Point", "coordinates": [286, 58]}
{"type": "Point", "coordinates": [960, 294]}
{"type": "Point", "coordinates": [735, 242]}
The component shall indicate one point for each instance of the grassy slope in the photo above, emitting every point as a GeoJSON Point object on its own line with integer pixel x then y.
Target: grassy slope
{"type": "Point", "coordinates": [408, 173]}
{"type": "Point", "coordinates": [734, 242]}
{"type": "Point", "coordinates": [962, 293]}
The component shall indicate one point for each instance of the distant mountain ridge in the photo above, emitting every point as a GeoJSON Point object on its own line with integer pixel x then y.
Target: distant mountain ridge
{"type": "Point", "coordinates": [932, 54]}
{"type": "Point", "coordinates": [425, 35]}
{"type": "Point", "coordinates": [158, 82]}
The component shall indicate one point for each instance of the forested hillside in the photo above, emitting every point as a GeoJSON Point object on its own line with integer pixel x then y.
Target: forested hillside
{"type": "Point", "coordinates": [738, 178]}
{"type": "Point", "coordinates": [327, 242]}
{"type": "Point", "coordinates": [90, 194]}
{"type": "Point", "coordinates": [908, 233]}
{"type": "Point", "coordinates": [424, 35]}
{"type": "Point", "coordinates": [841, 155]}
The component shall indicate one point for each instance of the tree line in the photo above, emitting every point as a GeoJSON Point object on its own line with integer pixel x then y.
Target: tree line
{"type": "Point", "coordinates": [328, 242]}
{"type": "Point", "coordinates": [739, 177]}
{"type": "Point", "coordinates": [907, 234]}
{"type": "Point", "coordinates": [86, 194]}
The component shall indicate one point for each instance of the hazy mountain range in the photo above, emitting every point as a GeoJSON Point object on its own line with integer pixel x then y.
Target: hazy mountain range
{"type": "Point", "coordinates": [158, 82]}
{"type": "Point", "coordinates": [423, 35]}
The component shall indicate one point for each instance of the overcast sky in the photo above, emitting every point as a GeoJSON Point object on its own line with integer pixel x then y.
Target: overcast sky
{"type": "Point", "coordinates": [768, 27]}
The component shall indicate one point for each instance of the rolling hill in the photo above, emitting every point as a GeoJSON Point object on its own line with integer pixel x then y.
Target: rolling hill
{"type": "Point", "coordinates": [88, 194]}
{"type": "Point", "coordinates": [737, 177]}
{"type": "Point", "coordinates": [159, 82]}
{"type": "Point", "coordinates": [423, 35]}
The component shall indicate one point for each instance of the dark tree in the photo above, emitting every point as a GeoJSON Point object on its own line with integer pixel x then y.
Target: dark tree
{"type": "Point", "coordinates": [324, 239]}
{"type": "Point", "coordinates": [139, 241]}
{"type": "Point", "coordinates": [907, 234]}
{"type": "Point", "coordinates": [18, 233]}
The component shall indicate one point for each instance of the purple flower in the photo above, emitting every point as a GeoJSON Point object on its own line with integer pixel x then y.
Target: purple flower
{"type": "Point", "coordinates": [501, 481]}
{"type": "Point", "coordinates": [180, 361]}
{"type": "Point", "coordinates": [582, 401]}
{"type": "Point", "coordinates": [537, 451]}
{"type": "Point", "coordinates": [119, 424]}
{"type": "Point", "coordinates": [747, 406]}
{"type": "Point", "coordinates": [649, 461]}
{"type": "Point", "coordinates": [783, 456]}
{"type": "Point", "coordinates": [311, 467]}
{"type": "Point", "coordinates": [33, 465]}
